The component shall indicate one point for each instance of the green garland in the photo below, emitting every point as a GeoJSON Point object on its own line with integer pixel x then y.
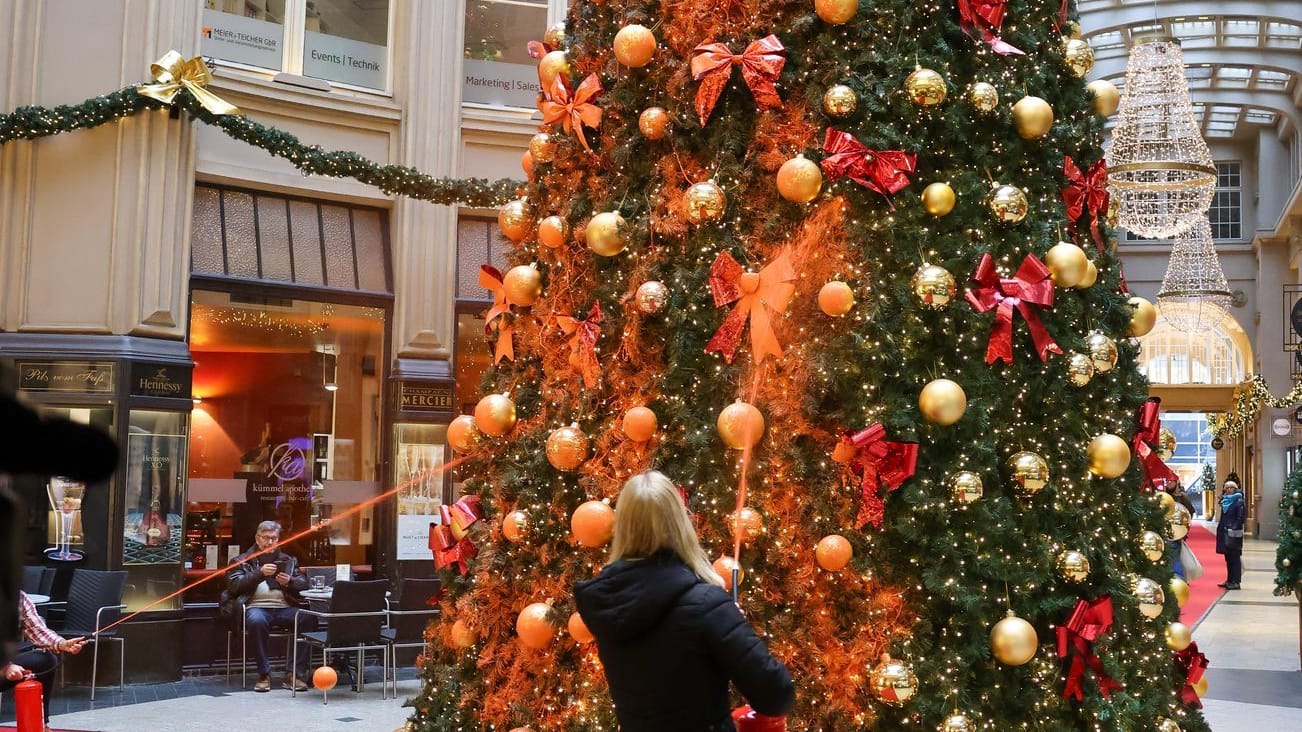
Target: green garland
{"type": "Point", "coordinates": [1248, 402]}
{"type": "Point", "coordinates": [30, 123]}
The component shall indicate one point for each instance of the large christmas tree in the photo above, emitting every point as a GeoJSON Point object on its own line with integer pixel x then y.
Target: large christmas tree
{"type": "Point", "coordinates": [880, 226]}
{"type": "Point", "coordinates": [1288, 555]}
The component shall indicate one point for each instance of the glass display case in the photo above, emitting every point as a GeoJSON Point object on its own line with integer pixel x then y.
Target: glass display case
{"type": "Point", "coordinates": [153, 507]}
{"type": "Point", "coordinates": [419, 451]}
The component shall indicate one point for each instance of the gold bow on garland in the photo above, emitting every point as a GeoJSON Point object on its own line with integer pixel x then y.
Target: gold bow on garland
{"type": "Point", "coordinates": [1248, 402]}
{"type": "Point", "coordinates": [173, 73]}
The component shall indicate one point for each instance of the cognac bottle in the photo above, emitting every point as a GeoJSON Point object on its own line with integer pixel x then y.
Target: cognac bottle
{"type": "Point", "coordinates": [153, 527]}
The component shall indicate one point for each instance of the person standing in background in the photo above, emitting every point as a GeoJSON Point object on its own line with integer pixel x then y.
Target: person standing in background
{"type": "Point", "coordinates": [1229, 533]}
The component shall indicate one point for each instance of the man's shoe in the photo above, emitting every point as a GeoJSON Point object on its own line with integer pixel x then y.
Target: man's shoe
{"type": "Point", "coordinates": [263, 683]}
{"type": "Point", "coordinates": [1234, 586]}
{"type": "Point", "coordinates": [295, 683]}
{"type": "Point", "coordinates": [1223, 584]}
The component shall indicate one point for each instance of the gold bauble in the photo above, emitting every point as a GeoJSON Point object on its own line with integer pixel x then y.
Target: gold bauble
{"type": "Point", "coordinates": [1167, 503]}
{"type": "Point", "coordinates": [957, 722]}
{"type": "Point", "coordinates": [705, 202]}
{"type": "Point", "coordinates": [1106, 97]}
{"type": "Point", "coordinates": [983, 97]}
{"type": "Point", "coordinates": [542, 147]}
{"type": "Point", "coordinates": [1286, 562]}
{"type": "Point", "coordinates": [1179, 589]}
{"type": "Point", "coordinates": [1152, 545]}
{"type": "Point", "coordinates": [1148, 596]}
{"type": "Point", "coordinates": [1033, 117]}
{"type": "Point", "coordinates": [1108, 455]}
{"type": "Point", "coordinates": [1067, 263]}
{"type": "Point", "coordinates": [840, 101]}
{"type": "Point", "coordinates": [495, 415]}
{"type": "Point", "coordinates": [1143, 318]}
{"type": "Point", "coordinates": [1080, 369]}
{"type": "Point", "coordinates": [515, 527]}
{"type": "Point", "coordinates": [607, 234]}
{"type": "Point", "coordinates": [462, 635]}
{"type": "Point", "coordinates": [1091, 276]}
{"type": "Point", "coordinates": [522, 285]}
{"type": "Point", "coordinates": [1013, 640]}
{"type": "Point", "coordinates": [1009, 204]}
{"type": "Point", "coordinates": [513, 220]}
{"type": "Point", "coordinates": [942, 402]}
{"type": "Point", "coordinates": [740, 425]}
{"type": "Point", "coordinates": [748, 523]}
{"type": "Point", "coordinates": [553, 232]}
{"type": "Point", "coordinates": [554, 37]}
{"type": "Point", "coordinates": [463, 435]}
{"type": "Point", "coordinates": [1200, 686]}
{"type": "Point", "coordinates": [965, 487]}
{"type": "Point", "coordinates": [933, 286]}
{"type": "Point", "coordinates": [1178, 526]}
{"type": "Point", "coordinates": [1178, 636]}
{"type": "Point", "coordinates": [553, 65]}
{"type": "Point", "coordinates": [893, 682]}
{"type": "Point", "coordinates": [1102, 351]}
{"type": "Point", "coordinates": [938, 199]}
{"type": "Point", "coordinates": [835, 298]}
{"type": "Point", "coordinates": [567, 447]}
{"type": "Point", "coordinates": [651, 297]}
{"type": "Point", "coordinates": [1166, 725]}
{"type": "Point", "coordinates": [800, 180]}
{"type": "Point", "coordinates": [1079, 57]}
{"type": "Point", "coordinates": [1030, 472]}
{"type": "Point", "coordinates": [653, 123]}
{"type": "Point", "coordinates": [1166, 443]}
{"type": "Point", "coordinates": [1072, 566]}
{"type": "Point", "coordinates": [836, 12]}
{"type": "Point", "coordinates": [634, 45]}
{"type": "Point", "coordinates": [925, 87]}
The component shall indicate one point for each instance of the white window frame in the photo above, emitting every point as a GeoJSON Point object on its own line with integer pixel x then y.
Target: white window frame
{"type": "Point", "coordinates": [1222, 170]}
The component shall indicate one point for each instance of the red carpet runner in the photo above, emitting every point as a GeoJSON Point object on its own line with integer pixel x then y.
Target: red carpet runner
{"type": "Point", "coordinates": [1203, 592]}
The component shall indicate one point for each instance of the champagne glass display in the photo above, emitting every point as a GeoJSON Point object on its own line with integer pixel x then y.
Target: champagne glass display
{"type": "Point", "coordinates": [65, 498]}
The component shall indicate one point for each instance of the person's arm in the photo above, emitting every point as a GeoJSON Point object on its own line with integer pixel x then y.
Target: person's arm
{"type": "Point", "coordinates": [33, 626]}
{"type": "Point", "coordinates": [760, 677]}
{"type": "Point", "coordinates": [243, 579]}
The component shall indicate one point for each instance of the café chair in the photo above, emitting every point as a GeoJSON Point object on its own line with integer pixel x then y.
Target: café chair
{"type": "Point", "coordinates": [356, 618]}
{"type": "Point", "coordinates": [407, 623]}
{"type": "Point", "coordinates": [244, 647]}
{"type": "Point", "coordinates": [38, 580]}
{"type": "Point", "coordinates": [94, 604]}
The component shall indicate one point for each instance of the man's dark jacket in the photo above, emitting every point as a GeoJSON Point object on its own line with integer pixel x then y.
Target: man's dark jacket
{"type": "Point", "coordinates": [670, 643]}
{"type": "Point", "coordinates": [243, 578]}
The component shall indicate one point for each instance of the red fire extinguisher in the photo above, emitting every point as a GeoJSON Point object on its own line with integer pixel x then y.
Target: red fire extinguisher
{"type": "Point", "coordinates": [27, 701]}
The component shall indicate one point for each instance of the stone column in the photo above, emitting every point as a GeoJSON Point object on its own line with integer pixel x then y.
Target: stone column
{"type": "Point", "coordinates": [1273, 364]}
{"type": "Point", "coordinates": [1273, 182]}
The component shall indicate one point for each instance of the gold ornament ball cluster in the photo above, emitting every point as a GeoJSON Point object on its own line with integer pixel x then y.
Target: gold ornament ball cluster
{"type": "Point", "coordinates": [925, 87]}
{"type": "Point", "coordinates": [1167, 503]}
{"type": "Point", "coordinates": [653, 123]}
{"type": "Point", "coordinates": [1091, 276]}
{"type": "Point", "coordinates": [800, 180]}
{"type": "Point", "coordinates": [740, 425]}
{"type": "Point", "coordinates": [1030, 472]}
{"type": "Point", "coordinates": [1102, 351]}
{"type": "Point", "coordinates": [552, 66]}
{"type": "Point", "coordinates": [938, 199]}
{"type": "Point", "coordinates": [1067, 264]}
{"type": "Point", "coordinates": [1108, 455]}
{"type": "Point", "coordinates": [705, 202]}
{"type": "Point", "coordinates": [1013, 640]}
{"type": "Point", "coordinates": [983, 97]}
{"type": "Point", "coordinates": [513, 220]}
{"type": "Point", "coordinates": [1072, 566]}
{"type": "Point", "coordinates": [1148, 596]}
{"type": "Point", "coordinates": [1152, 545]}
{"type": "Point", "coordinates": [634, 45]}
{"type": "Point", "coordinates": [1033, 117]}
{"type": "Point", "coordinates": [1009, 204]}
{"type": "Point", "coordinates": [1179, 589]}
{"type": "Point", "coordinates": [1106, 97]}
{"type": "Point", "coordinates": [567, 448]}
{"type": "Point", "coordinates": [840, 101]}
{"type": "Point", "coordinates": [495, 415]}
{"type": "Point", "coordinates": [942, 402]}
{"type": "Point", "coordinates": [1178, 525]}
{"type": "Point", "coordinates": [1080, 369]}
{"type": "Point", "coordinates": [965, 487]}
{"type": "Point", "coordinates": [463, 435]}
{"type": "Point", "coordinates": [651, 298]}
{"type": "Point", "coordinates": [522, 285]}
{"type": "Point", "coordinates": [542, 147]}
{"type": "Point", "coordinates": [893, 682]}
{"type": "Point", "coordinates": [1079, 57]}
{"type": "Point", "coordinates": [1142, 318]}
{"type": "Point", "coordinates": [1178, 636]}
{"type": "Point", "coordinates": [933, 286]}
{"type": "Point", "coordinates": [607, 234]}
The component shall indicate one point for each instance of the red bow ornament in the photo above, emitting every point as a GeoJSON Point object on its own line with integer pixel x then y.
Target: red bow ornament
{"type": "Point", "coordinates": [449, 540]}
{"type": "Point", "coordinates": [756, 294]}
{"type": "Point", "coordinates": [881, 463]}
{"type": "Point", "coordinates": [1192, 663]}
{"type": "Point", "coordinates": [987, 16]}
{"type": "Point", "coordinates": [1148, 432]}
{"type": "Point", "coordinates": [749, 720]}
{"type": "Point", "coordinates": [1031, 287]}
{"type": "Point", "coordinates": [583, 343]}
{"type": "Point", "coordinates": [490, 278]}
{"type": "Point", "coordinates": [761, 64]}
{"type": "Point", "coordinates": [884, 171]}
{"type": "Point", "coordinates": [1086, 193]}
{"type": "Point", "coordinates": [1076, 638]}
{"type": "Point", "coordinates": [573, 111]}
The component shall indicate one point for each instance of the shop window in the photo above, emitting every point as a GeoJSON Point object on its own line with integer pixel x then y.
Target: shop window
{"type": "Point", "coordinates": [1226, 212]}
{"type": "Point", "coordinates": [286, 427]}
{"type": "Point", "coordinates": [479, 242]}
{"type": "Point", "coordinates": [345, 42]}
{"type": "Point", "coordinates": [498, 68]}
{"type": "Point", "coordinates": [152, 529]}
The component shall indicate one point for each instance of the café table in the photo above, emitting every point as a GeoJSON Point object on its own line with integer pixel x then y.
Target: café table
{"type": "Point", "coordinates": [38, 599]}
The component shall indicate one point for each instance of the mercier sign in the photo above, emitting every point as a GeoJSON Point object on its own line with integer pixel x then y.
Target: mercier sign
{"type": "Point", "coordinates": [426, 396]}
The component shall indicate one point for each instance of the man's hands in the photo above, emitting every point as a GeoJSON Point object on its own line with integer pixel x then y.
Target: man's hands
{"type": "Point", "coordinates": [70, 645]}
{"type": "Point", "coordinates": [283, 579]}
{"type": "Point", "coordinates": [268, 570]}
{"type": "Point", "coordinates": [14, 672]}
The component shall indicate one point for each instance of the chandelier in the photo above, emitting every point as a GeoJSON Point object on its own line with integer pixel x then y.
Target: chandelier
{"type": "Point", "coordinates": [1159, 167]}
{"type": "Point", "coordinates": [1194, 292]}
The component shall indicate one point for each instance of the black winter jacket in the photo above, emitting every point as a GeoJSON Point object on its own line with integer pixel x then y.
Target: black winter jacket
{"type": "Point", "coordinates": [670, 643]}
{"type": "Point", "coordinates": [246, 573]}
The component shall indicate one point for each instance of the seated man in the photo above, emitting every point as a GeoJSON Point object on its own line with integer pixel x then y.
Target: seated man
{"type": "Point", "coordinates": [267, 582]}
{"type": "Point", "coordinates": [37, 660]}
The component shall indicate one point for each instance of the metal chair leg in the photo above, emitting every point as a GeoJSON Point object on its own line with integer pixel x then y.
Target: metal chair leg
{"type": "Point", "coordinates": [122, 664]}
{"type": "Point", "coordinates": [94, 668]}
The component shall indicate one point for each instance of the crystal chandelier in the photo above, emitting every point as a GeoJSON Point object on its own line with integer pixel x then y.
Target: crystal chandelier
{"type": "Point", "coordinates": [1194, 292]}
{"type": "Point", "coordinates": [1159, 167]}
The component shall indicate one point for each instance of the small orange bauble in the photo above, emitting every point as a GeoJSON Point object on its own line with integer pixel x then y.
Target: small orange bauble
{"type": "Point", "coordinates": [495, 415]}
{"type": "Point", "coordinates": [324, 678]}
{"type": "Point", "coordinates": [723, 566]}
{"type": "Point", "coordinates": [835, 298]}
{"type": "Point", "coordinates": [740, 425]}
{"type": "Point", "coordinates": [553, 232]}
{"type": "Point", "coordinates": [515, 526]}
{"type": "Point", "coordinates": [800, 180]}
{"type": "Point", "coordinates": [542, 147]}
{"type": "Point", "coordinates": [463, 435]}
{"type": "Point", "coordinates": [522, 285]}
{"type": "Point", "coordinates": [833, 552]}
{"type": "Point", "coordinates": [463, 636]}
{"type": "Point", "coordinates": [592, 524]}
{"type": "Point", "coordinates": [836, 12]}
{"type": "Point", "coordinates": [567, 448]}
{"type": "Point", "coordinates": [653, 123]}
{"type": "Point", "coordinates": [635, 45]}
{"type": "Point", "coordinates": [513, 220]}
{"type": "Point", "coordinates": [749, 523]}
{"type": "Point", "coordinates": [640, 424]}
{"type": "Point", "coordinates": [526, 162]}
{"type": "Point", "coordinates": [534, 625]}
{"type": "Point", "coordinates": [579, 630]}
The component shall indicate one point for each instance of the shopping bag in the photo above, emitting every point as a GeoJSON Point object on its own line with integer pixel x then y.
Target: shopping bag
{"type": "Point", "coordinates": [748, 720]}
{"type": "Point", "coordinates": [1193, 569]}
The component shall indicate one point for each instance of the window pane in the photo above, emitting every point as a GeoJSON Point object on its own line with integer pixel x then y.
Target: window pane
{"type": "Point", "coordinates": [368, 237]}
{"type": "Point", "coordinates": [206, 233]}
{"type": "Point", "coordinates": [338, 236]}
{"type": "Point", "coordinates": [244, 31]}
{"type": "Point", "coordinates": [241, 237]}
{"type": "Point", "coordinates": [273, 238]}
{"type": "Point", "coordinates": [347, 41]}
{"type": "Point", "coordinates": [498, 69]}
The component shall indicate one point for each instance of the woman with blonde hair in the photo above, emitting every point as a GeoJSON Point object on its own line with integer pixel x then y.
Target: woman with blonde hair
{"type": "Point", "coordinates": [669, 636]}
